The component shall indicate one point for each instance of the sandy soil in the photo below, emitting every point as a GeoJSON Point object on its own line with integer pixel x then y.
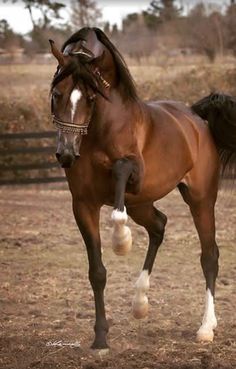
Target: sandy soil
{"type": "Point", "coordinates": [46, 300]}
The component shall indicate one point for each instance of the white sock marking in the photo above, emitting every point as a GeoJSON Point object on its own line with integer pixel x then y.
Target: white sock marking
{"type": "Point", "coordinates": [119, 217]}
{"type": "Point", "coordinates": [209, 321]}
{"type": "Point", "coordinates": [121, 238]}
{"type": "Point", "coordinates": [209, 318]}
{"type": "Point", "coordinates": [140, 302]}
{"type": "Point", "coordinates": [142, 285]}
{"type": "Point", "coordinates": [74, 98]}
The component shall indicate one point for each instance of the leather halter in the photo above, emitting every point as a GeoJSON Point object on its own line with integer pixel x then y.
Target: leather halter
{"type": "Point", "coordinates": [76, 128]}
{"type": "Point", "coordinates": [80, 128]}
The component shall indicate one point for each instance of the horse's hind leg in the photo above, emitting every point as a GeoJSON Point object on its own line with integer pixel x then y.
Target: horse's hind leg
{"type": "Point", "coordinates": [154, 222]}
{"type": "Point", "coordinates": [204, 219]}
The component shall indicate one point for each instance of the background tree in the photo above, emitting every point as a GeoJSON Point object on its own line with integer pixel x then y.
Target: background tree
{"type": "Point", "coordinates": [230, 20]}
{"type": "Point", "coordinates": [85, 13]}
{"type": "Point", "coordinates": [49, 9]}
{"type": "Point", "coordinates": [203, 31]}
{"type": "Point", "coordinates": [8, 38]}
{"type": "Point", "coordinates": [136, 39]}
{"type": "Point", "coordinates": [165, 10]}
{"type": "Point", "coordinates": [44, 25]}
{"type": "Point", "coordinates": [161, 12]}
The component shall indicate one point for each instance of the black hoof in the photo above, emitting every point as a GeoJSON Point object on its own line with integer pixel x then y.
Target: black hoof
{"type": "Point", "coordinates": [99, 345]}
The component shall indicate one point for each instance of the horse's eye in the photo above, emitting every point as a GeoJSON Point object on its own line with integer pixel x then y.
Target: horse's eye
{"type": "Point", "coordinates": [56, 94]}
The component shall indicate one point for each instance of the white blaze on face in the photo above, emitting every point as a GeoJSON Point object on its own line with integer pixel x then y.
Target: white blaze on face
{"type": "Point", "coordinates": [209, 322]}
{"type": "Point", "coordinates": [74, 99]}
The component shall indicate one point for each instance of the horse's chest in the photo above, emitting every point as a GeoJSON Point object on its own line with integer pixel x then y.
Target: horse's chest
{"type": "Point", "coordinates": [101, 161]}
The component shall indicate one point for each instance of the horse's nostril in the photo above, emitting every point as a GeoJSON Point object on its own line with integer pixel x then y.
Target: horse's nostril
{"type": "Point", "coordinates": [66, 160]}
{"type": "Point", "coordinates": [58, 155]}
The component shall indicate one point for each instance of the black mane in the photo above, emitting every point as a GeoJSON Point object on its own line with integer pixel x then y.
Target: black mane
{"type": "Point", "coordinates": [80, 71]}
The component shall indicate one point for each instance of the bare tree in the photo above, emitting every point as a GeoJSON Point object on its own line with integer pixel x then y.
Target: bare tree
{"type": "Point", "coordinates": [85, 13]}
{"type": "Point", "coordinates": [8, 38]}
{"type": "Point", "coordinates": [230, 20]}
{"type": "Point", "coordinates": [204, 32]}
{"type": "Point", "coordinates": [49, 9]}
{"type": "Point", "coordinates": [43, 25]}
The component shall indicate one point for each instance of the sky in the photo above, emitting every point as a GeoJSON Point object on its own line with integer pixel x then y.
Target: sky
{"type": "Point", "coordinates": [112, 10]}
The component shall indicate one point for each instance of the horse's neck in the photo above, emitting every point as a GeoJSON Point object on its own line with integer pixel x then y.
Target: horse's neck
{"type": "Point", "coordinates": [115, 111]}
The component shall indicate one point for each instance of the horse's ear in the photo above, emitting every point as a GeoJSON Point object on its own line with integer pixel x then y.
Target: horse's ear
{"type": "Point", "coordinates": [57, 53]}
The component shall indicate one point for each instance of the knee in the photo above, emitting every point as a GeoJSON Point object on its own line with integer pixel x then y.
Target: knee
{"type": "Point", "coordinates": [121, 167]}
{"type": "Point", "coordinates": [97, 278]}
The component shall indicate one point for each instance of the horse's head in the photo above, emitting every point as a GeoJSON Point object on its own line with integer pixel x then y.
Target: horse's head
{"type": "Point", "coordinates": [82, 64]}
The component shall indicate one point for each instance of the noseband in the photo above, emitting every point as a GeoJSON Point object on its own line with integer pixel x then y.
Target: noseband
{"type": "Point", "coordinates": [76, 128]}
{"type": "Point", "coordinates": [80, 128]}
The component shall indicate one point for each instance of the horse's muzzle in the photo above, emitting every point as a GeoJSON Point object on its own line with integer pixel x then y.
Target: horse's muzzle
{"type": "Point", "coordinates": [66, 160]}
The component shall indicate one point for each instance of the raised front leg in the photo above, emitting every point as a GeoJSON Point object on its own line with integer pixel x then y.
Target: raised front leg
{"type": "Point", "coordinates": [87, 218]}
{"type": "Point", "coordinates": [121, 238]}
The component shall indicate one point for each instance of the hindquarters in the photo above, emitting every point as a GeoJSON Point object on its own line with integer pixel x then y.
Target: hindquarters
{"type": "Point", "coordinates": [203, 179]}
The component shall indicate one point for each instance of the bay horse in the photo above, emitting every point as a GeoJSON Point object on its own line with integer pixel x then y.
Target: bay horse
{"type": "Point", "coordinates": [121, 151]}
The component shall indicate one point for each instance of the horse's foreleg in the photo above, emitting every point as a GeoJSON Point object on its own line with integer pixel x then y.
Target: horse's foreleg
{"type": "Point", "coordinates": [154, 221]}
{"type": "Point", "coordinates": [121, 238]}
{"type": "Point", "coordinates": [87, 218]}
{"type": "Point", "coordinates": [203, 215]}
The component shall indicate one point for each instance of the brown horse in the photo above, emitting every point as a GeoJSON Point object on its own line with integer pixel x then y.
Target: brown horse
{"type": "Point", "coordinates": [118, 150]}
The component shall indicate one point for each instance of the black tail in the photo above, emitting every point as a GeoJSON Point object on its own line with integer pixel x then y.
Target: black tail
{"type": "Point", "coordinates": [219, 111]}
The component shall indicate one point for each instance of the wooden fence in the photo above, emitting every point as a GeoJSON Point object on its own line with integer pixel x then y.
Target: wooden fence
{"type": "Point", "coordinates": [18, 165]}
{"type": "Point", "coordinates": [20, 159]}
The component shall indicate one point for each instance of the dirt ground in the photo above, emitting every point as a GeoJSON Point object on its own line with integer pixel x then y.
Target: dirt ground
{"type": "Point", "coordinates": [47, 309]}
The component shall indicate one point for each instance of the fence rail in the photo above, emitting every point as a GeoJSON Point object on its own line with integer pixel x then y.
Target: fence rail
{"type": "Point", "coordinates": [24, 135]}
{"type": "Point", "coordinates": [28, 166]}
{"type": "Point", "coordinates": [28, 150]}
{"type": "Point", "coordinates": [9, 169]}
{"type": "Point", "coordinates": [37, 180]}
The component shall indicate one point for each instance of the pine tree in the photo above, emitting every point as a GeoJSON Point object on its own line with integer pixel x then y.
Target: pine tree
{"type": "Point", "coordinates": [165, 10]}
